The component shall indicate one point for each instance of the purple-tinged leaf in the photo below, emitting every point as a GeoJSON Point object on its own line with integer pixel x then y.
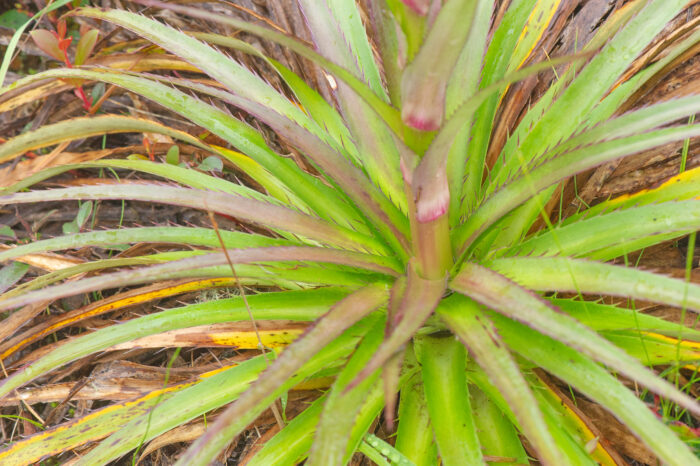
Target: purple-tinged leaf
{"type": "Point", "coordinates": [388, 114]}
{"type": "Point", "coordinates": [300, 185]}
{"type": "Point", "coordinates": [338, 32]}
{"type": "Point", "coordinates": [474, 328]}
{"type": "Point", "coordinates": [430, 181]}
{"type": "Point", "coordinates": [387, 218]}
{"type": "Point", "coordinates": [425, 80]}
{"type": "Point", "coordinates": [370, 200]}
{"type": "Point", "coordinates": [257, 398]}
{"type": "Point", "coordinates": [254, 211]}
{"type": "Point", "coordinates": [418, 6]}
{"type": "Point", "coordinates": [341, 409]}
{"type": "Point", "coordinates": [598, 384]}
{"type": "Point", "coordinates": [539, 178]}
{"type": "Point", "coordinates": [176, 268]}
{"type": "Point", "coordinates": [430, 189]}
{"type": "Point", "coordinates": [387, 35]}
{"type": "Point", "coordinates": [512, 300]}
{"type": "Point", "coordinates": [84, 127]}
{"type": "Point", "coordinates": [391, 372]}
{"type": "Point", "coordinates": [419, 299]}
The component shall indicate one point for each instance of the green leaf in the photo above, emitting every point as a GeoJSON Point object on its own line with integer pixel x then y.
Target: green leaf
{"type": "Point", "coordinates": [283, 372]}
{"type": "Point", "coordinates": [679, 187]}
{"type": "Point", "coordinates": [105, 238]}
{"type": "Point", "coordinates": [6, 230]}
{"type": "Point", "coordinates": [338, 32]}
{"type": "Point", "coordinates": [571, 108]}
{"type": "Point", "coordinates": [555, 170]}
{"type": "Point", "coordinates": [387, 113]}
{"type": "Point", "coordinates": [83, 213]}
{"type": "Point", "coordinates": [470, 324]}
{"type": "Point", "coordinates": [588, 277]}
{"type": "Point", "coordinates": [284, 275]}
{"type": "Point", "coordinates": [98, 90]}
{"type": "Point", "coordinates": [464, 81]}
{"type": "Point", "coordinates": [182, 175]}
{"type": "Point", "coordinates": [78, 128]}
{"type": "Point", "coordinates": [443, 361]}
{"type": "Point", "coordinates": [581, 238]}
{"type": "Point", "coordinates": [324, 200]}
{"type": "Point", "coordinates": [70, 228]}
{"type": "Point", "coordinates": [629, 124]}
{"type": "Point", "coordinates": [211, 164]}
{"type": "Point", "coordinates": [387, 219]}
{"type": "Point", "coordinates": [292, 443]}
{"type": "Point", "coordinates": [572, 450]}
{"type": "Point", "coordinates": [205, 265]}
{"type": "Point", "coordinates": [414, 436]}
{"type": "Point", "coordinates": [341, 408]}
{"type": "Point", "coordinates": [231, 74]}
{"type": "Point", "coordinates": [497, 435]}
{"type": "Point", "coordinates": [13, 19]}
{"type": "Point", "coordinates": [508, 298]}
{"type": "Point", "coordinates": [595, 382]}
{"type": "Point", "coordinates": [431, 177]}
{"type": "Point", "coordinates": [172, 157]}
{"type": "Point", "coordinates": [213, 391]}
{"type": "Point", "coordinates": [603, 35]}
{"type": "Point", "coordinates": [11, 274]}
{"type": "Point", "coordinates": [85, 46]}
{"type": "Point", "coordinates": [654, 349]}
{"type": "Point", "coordinates": [602, 317]}
{"type": "Point", "coordinates": [494, 67]}
{"type": "Point", "coordinates": [538, 21]}
{"type": "Point", "coordinates": [292, 305]}
{"type": "Point", "coordinates": [385, 450]}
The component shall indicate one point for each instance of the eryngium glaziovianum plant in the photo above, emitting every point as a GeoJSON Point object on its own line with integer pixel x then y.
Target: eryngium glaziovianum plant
{"type": "Point", "coordinates": [429, 297]}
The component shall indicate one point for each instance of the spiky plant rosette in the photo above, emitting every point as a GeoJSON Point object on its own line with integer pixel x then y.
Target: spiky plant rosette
{"type": "Point", "coordinates": [408, 239]}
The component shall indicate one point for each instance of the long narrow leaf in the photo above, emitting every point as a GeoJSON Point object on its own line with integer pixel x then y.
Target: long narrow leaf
{"type": "Point", "coordinates": [338, 32]}
{"type": "Point", "coordinates": [77, 128]}
{"type": "Point", "coordinates": [301, 305]}
{"type": "Point", "coordinates": [589, 277]}
{"type": "Point", "coordinates": [211, 393]}
{"type": "Point", "coordinates": [506, 297]}
{"type": "Point", "coordinates": [606, 230]}
{"type": "Point", "coordinates": [571, 108]}
{"type": "Point", "coordinates": [341, 316]}
{"type": "Point", "coordinates": [323, 200]}
{"type": "Point", "coordinates": [415, 305]}
{"type": "Point", "coordinates": [235, 206]}
{"type": "Point", "coordinates": [553, 171]}
{"type": "Point", "coordinates": [443, 361]}
{"type": "Point", "coordinates": [595, 382]}
{"type": "Point", "coordinates": [341, 408]}
{"type": "Point", "coordinates": [174, 269]}
{"type": "Point", "coordinates": [472, 326]}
